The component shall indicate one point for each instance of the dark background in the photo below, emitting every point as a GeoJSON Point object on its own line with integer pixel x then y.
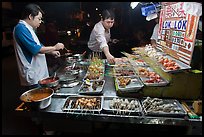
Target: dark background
{"type": "Point", "coordinates": [64, 17]}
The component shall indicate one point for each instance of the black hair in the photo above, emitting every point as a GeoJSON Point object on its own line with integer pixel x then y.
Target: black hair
{"type": "Point", "coordinates": [106, 14]}
{"type": "Point", "coordinates": [32, 9]}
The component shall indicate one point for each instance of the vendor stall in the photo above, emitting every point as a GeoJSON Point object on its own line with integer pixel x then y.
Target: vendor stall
{"type": "Point", "coordinates": [148, 91]}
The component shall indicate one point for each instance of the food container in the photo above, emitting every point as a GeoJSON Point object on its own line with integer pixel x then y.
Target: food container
{"type": "Point", "coordinates": [122, 106]}
{"type": "Point", "coordinates": [78, 57]}
{"type": "Point", "coordinates": [83, 104]}
{"type": "Point", "coordinates": [93, 88]}
{"type": "Point", "coordinates": [49, 82]}
{"type": "Point", "coordinates": [70, 60]}
{"type": "Point", "coordinates": [67, 77]}
{"type": "Point", "coordinates": [37, 98]}
{"type": "Point", "coordinates": [134, 85]}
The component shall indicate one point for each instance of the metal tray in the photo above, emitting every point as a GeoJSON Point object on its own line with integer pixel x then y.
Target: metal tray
{"type": "Point", "coordinates": [70, 104]}
{"type": "Point", "coordinates": [137, 62]}
{"type": "Point", "coordinates": [108, 109]}
{"type": "Point", "coordinates": [144, 79]}
{"type": "Point", "coordinates": [134, 85]}
{"type": "Point", "coordinates": [67, 77]}
{"type": "Point", "coordinates": [101, 77]}
{"type": "Point", "coordinates": [182, 65]}
{"type": "Point", "coordinates": [175, 104]}
{"type": "Point", "coordinates": [90, 89]}
{"type": "Point", "coordinates": [163, 82]}
{"type": "Point", "coordinates": [124, 69]}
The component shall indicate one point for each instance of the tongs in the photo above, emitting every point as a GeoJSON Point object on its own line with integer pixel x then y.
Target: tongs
{"type": "Point", "coordinates": [67, 50]}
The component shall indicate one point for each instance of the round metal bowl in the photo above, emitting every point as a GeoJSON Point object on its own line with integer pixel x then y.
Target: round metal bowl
{"type": "Point", "coordinates": [37, 98]}
{"type": "Point", "coordinates": [70, 60]}
{"type": "Point", "coordinates": [78, 57]}
{"type": "Point", "coordinates": [49, 82]}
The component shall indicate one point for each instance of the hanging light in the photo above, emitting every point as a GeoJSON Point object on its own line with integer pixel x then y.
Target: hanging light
{"type": "Point", "coordinates": [133, 4]}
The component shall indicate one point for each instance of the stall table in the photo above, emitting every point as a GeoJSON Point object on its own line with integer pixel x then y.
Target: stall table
{"type": "Point", "coordinates": [54, 118]}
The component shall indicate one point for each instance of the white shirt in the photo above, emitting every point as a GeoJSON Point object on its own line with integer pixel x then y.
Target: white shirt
{"type": "Point", "coordinates": [98, 38]}
{"type": "Point", "coordinates": [155, 32]}
{"type": "Point", "coordinates": [30, 71]}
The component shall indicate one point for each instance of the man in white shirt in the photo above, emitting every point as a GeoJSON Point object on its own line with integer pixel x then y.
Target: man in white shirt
{"type": "Point", "coordinates": [100, 35]}
{"type": "Point", "coordinates": [154, 37]}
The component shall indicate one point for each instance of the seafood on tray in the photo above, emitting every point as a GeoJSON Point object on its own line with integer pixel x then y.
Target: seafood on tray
{"type": "Point", "coordinates": [169, 64]}
{"type": "Point", "coordinates": [152, 76]}
{"type": "Point", "coordinates": [162, 106]}
{"type": "Point", "coordinates": [124, 104]}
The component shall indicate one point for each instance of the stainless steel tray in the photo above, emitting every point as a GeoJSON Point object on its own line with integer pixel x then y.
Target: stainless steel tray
{"type": "Point", "coordinates": [119, 71]}
{"type": "Point", "coordinates": [160, 110]}
{"type": "Point", "coordinates": [73, 104]}
{"type": "Point", "coordinates": [118, 109]}
{"type": "Point", "coordinates": [138, 62]}
{"type": "Point", "coordinates": [90, 89]}
{"type": "Point", "coordinates": [182, 65]}
{"type": "Point", "coordinates": [162, 82]}
{"type": "Point", "coordinates": [134, 85]}
{"type": "Point", "coordinates": [101, 77]}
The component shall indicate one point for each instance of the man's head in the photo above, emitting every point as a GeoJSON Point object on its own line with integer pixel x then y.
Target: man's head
{"type": "Point", "coordinates": [108, 18]}
{"type": "Point", "coordinates": [32, 13]}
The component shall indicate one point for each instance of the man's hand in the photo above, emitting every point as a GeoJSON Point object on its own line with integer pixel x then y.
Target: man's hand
{"type": "Point", "coordinates": [59, 46]}
{"type": "Point", "coordinates": [55, 53]}
{"type": "Point", "coordinates": [110, 59]}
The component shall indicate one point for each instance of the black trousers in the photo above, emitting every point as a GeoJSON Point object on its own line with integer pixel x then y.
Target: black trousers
{"type": "Point", "coordinates": [90, 54]}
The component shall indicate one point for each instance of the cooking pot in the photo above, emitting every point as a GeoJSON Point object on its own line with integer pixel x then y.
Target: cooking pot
{"type": "Point", "coordinates": [37, 98]}
{"type": "Point", "coordinates": [49, 82]}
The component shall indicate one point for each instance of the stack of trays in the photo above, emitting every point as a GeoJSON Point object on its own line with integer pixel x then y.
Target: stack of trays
{"type": "Point", "coordinates": [126, 79]}
{"type": "Point", "coordinates": [96, 71]}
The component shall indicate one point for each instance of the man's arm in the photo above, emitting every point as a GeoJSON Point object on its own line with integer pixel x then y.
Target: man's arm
{"type": "Point", "coordinates": [154, 43]}
{"type": "Point", "coordinates": [109, 57]}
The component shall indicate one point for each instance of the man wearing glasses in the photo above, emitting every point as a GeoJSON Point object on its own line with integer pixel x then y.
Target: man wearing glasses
{"type": "Point", "coordinates": [30, 52]}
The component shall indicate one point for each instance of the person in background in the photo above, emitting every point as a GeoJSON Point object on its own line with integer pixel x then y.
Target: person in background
{"type": "Point", "coordinates": [154, 37]}
{"type": "Point", "coordinates": [29, 51]}
{"type": "Point", "coordinates": [52, 38]}
{"type": "Point", "coordinates": [100, 35]}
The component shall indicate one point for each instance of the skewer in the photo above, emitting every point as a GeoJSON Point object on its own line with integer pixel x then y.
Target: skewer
{"type": "Point", "coordinates": [66, 49]}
